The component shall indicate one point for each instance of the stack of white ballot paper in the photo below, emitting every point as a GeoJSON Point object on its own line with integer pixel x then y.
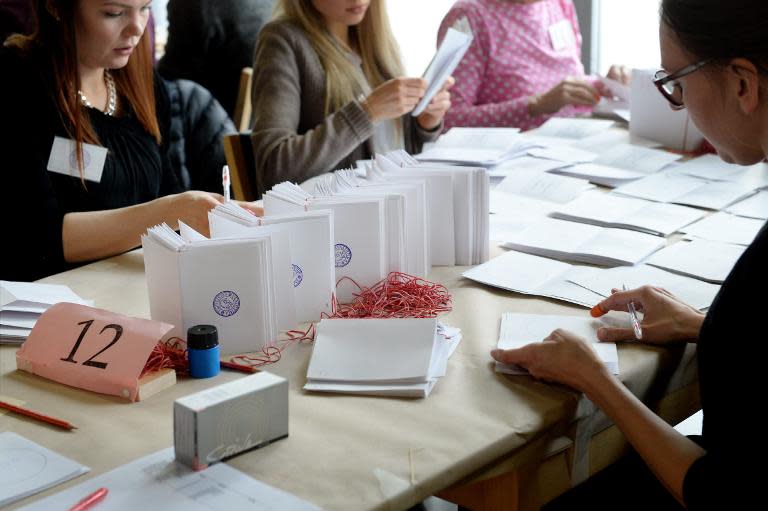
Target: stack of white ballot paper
{"type": "Point", "coordinates": [518, 330]}
{"type": "Point", "coordinates": [711, 261]}
{"type": "Point", "coordinates": [455, 44]}
{"type": "Point", "coordinates": [462, 190]}
{"type": "Point", "coordinates": [584, 243]}
{"type": "Point", "coordinates": [242, 286]}
{"type": "Point", "coordinates": [21, 303]}
{"type": "Point", "coordinates": [678, 188]}
{"type": "Point", "coordinates": [607, 210]}
{"type": "Point", "coordinates": [386, 357]}
{"type": "Point", "coordinates": [753, 207]}
{"type": "Point", "coordinates": [534, 275]}
{"type": "Point", "coordinates": [311, 238]}
{"type": "Point", "coordinates": [359, 230]}
{"type": "Point", "coordinates": [484, 147]}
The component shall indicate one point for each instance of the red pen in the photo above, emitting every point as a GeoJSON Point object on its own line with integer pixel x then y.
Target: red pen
{"type": "Point", "coordinates": [90, 500]}
{"type": "Point", "coordinates": [37, 416]}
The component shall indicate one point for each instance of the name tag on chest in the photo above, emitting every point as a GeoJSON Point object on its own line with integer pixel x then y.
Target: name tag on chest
{"type": "Point", "coordinates": [561, 35]}
{"type": "Point", "coordinates": [63, 159]}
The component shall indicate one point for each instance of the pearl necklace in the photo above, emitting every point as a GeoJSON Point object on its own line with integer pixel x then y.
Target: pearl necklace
{"type": "Point", "coordinates": [111, 96]}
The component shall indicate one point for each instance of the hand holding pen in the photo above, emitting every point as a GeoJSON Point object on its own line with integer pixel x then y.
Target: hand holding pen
{"type": "Point", "coordinates": [665, 317]}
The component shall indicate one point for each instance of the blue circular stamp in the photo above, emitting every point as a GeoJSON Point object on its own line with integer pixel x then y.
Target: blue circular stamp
{"type": "Point", "coordinates": [343, 255]}
{"type": "Point", "coordinates": [298, 275]}
{"type": "Point", "coordinates": [226, 303]}
{"type": "Point", "coordinates": [73, 158]}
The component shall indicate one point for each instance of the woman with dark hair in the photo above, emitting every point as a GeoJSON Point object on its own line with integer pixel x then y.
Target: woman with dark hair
{"type": "Point", "coordinates": [715, 64]}
{"type": "Point", "coordinates": [85, 167]}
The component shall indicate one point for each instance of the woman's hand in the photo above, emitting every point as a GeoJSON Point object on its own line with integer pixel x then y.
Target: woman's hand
{"type": "Point", "coordinates": [433, 115]}
{"type": "Point", "coordinates": [251, 207]}
{"type": "Point", "coordinates": [394, 98]}
{"type": "Point", "coordinates": [192, 208]}
{"type": "Point", "coordinates": [571, 91]}
{"type": "Point", "coordinates": [562, 357]}
{"type": "Point", "coordinates": [665, 317]}
{"type": "Point", "coordinates": [620, 73]}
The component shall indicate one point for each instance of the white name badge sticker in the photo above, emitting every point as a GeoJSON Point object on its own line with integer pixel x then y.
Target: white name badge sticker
{"type": "Point", "coordinates": [63, 159]}
{"type": "Point", "coordinates": [561, 34]}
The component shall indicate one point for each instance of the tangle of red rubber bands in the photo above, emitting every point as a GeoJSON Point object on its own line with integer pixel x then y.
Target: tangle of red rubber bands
{"type": "Point", "coordinates": [398, 296]}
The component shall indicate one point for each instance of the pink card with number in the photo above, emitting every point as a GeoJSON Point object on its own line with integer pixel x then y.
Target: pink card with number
{"type": "Point", "coordinates": [90, 348]}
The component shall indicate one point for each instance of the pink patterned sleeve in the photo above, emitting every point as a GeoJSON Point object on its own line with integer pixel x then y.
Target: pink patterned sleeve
{"type": "Point", "coordinates": [469, 76]}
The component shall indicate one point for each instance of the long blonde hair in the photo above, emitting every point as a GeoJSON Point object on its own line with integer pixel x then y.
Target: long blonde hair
{"type": "Point", "coordinates": [373, 38]}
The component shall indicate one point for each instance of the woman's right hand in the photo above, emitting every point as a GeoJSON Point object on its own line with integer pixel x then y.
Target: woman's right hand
{"type": "Point", "coordinates": [192, 208]}
{"type": "Point", "coordinates": [665, 317]}
{"type": "Point", "coordinates": [571, 91]}
{"type": "Point", "coordinates": [394, 98]}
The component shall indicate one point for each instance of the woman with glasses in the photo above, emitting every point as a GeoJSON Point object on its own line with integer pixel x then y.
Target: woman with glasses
{"type": "Point", "coordinates": [715, 60]}
{"type": "Point", "coordinates": [524, 65]}
{"type": "Point", "coordinates": [84, 139]}
{"type": "Point", "coordinates": [328, 89]}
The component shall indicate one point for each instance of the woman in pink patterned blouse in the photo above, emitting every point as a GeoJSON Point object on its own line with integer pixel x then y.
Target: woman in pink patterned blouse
{"type": "Point", "coordinates": [524, 65]}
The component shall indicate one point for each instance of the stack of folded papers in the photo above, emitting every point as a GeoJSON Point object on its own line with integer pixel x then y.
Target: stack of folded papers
{"type": "Point", "coordinates": [21, 303]}
{"type": "Point", "coordinates": [384, 357]}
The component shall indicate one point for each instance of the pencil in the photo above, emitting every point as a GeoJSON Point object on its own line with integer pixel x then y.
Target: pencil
{"type": "Point", "coordinates": [239, 367]}
{"type": "Point", "coordinates": [37, 416]}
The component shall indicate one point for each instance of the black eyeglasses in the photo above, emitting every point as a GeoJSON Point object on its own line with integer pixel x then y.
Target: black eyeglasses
{"type": "Point", "coordinates": [670, 87]}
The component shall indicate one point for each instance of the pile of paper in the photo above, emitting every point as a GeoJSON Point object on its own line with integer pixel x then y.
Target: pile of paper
{"type": "Point", "coordinates": [21, 303]}
{"type": "Point", "coordinates": [310, 235]}
{"type": "Point", "coordinates": [359, 230]}
{"type": "Point", "coordinates": [242, 286]}
{"type": "Point", "coordinates": [518, 330]}
{"type": "Point", "coordinates": [385, 357]}
{"type": "Point", "coordinates": [483, 147]}
{"type": "Point", "coordinates": [711, 261]}
{"type": "Point", "coordinates": [464, 191]}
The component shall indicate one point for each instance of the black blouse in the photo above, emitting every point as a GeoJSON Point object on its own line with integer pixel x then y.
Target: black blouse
{"type": "Point", "coordinates": [731, 354]}
{"type": "Point", "coordinates": [35, 200]}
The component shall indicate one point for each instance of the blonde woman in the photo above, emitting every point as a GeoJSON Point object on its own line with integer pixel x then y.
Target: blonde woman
{"type": "Point", "coordinates": [328, 90]}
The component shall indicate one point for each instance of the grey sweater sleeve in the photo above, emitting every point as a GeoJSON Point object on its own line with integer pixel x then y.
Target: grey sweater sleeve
{"type": "Point", "coordinates": [284, 63]}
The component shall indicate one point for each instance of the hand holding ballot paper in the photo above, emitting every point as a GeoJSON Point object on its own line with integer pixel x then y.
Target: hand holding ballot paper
{"type": "Point", "coordinates": [455, 44]}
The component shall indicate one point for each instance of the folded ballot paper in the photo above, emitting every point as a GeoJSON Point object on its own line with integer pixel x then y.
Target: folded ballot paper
{"type": "Point", "coordinates": [518, 330]}
{"type": "Point", "coordinates": [311, 238]}
{"type": "Point", "coordinates": [359, 230]}
{"type": "Point", "coordinates": [383, 357]}
{"type": "Point", "coordinates": [455, 44]}
{"type": "Point", "coordinates": [466, 196]}
{"type": "Point", "coordinates": [484, 147]}
{"type": "Point", "coordinates": [22, 303]}
{"type": "Point", "coordinates": [241, 286]}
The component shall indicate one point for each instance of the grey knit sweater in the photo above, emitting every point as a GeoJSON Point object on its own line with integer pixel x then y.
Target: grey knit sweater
{"type": "Point", "coordinates": [292, 138]}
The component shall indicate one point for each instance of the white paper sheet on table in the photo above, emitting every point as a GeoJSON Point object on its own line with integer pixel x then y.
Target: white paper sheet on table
{"type": "Point", "coordinates": [726, 228]}
{"type": "Point", "coordinates": [571, 241]}
{"type": "Point", "coordinates": [608, 210]}
{"type": "Point", "coordinates": [751, 207]}
{"type": "Point", "coordinates": [563, 153]}
{"type": "Point", "coordinates": [29, 468]}
{"type": "Point", "coordinates": [601, 174]}
{"type": "Point", "coordinates": [534, 275]}
{"type": "Point", "coordinates": [635, 157]}
{"type": "Point", "coordinates": [711, 261]}
{"type": "Point", "coordinates": [696, 293]}
{"type": "Point", "coordinates": [157, 481]}
{"type": "Point", "coordinates": [518, 330]}
{"type": "Point", "coordinates": [683, 189]}
{"type": "Point", "coordinates": [524, 163]}
{"type": "Point", "coordinates": [564, 127]}
{"type": "Point", "coordinates": [543, 185]}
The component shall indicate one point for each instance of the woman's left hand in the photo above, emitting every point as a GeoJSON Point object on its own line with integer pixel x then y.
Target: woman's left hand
{"type": "Point", "coordinates": [620, 73]}
{"type": "Point", "coordinates": [562, 357]}
{"type": "Point", "coordinates": [433, 115]}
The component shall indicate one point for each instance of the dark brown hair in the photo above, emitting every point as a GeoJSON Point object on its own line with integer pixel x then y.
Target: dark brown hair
{"type": "Point", "coordinates": [54, 38]}
{"type": "Point", "coordinates": [718, 31]}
